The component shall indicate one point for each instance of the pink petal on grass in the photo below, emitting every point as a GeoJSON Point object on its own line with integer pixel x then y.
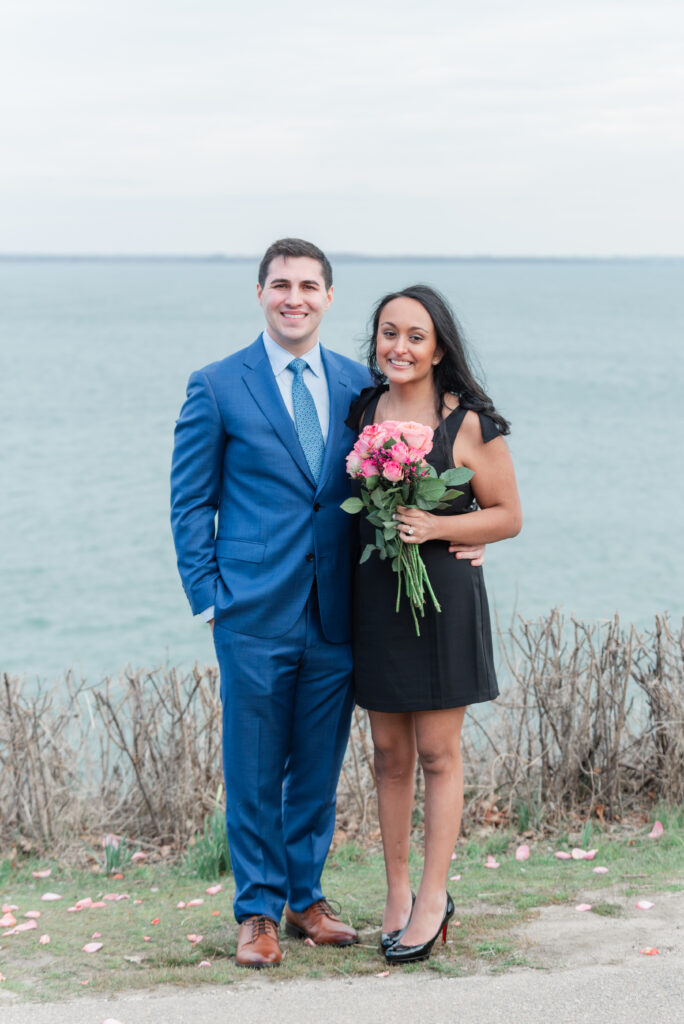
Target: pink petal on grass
{"type": "Point", "coordinates": [213, 890]}
{"type": "Point", "coordinates": [656, 831]}
{"type": "Point", "coordinates": [180, 906]}
{"type": "Point", "coordinates": [138, 856]}
{"type": "Point", "coordinates": [454, 857]}
{"type": "Point", "coordinates": [32, 913]}
{"type": "Point", "coordinates": [195, 903]}
{"type": "Point", "coordinates": [523, 852]}
{"type": "Point", "coordinates": [27, 926]}
{"type": "Point", "coordinates": [309, 942]}
{"type": "Point", "coordinates": [577, 854]}
{"type": "Point", "coordinates": [7, 920]}
{"type": "Point", "coordinates": [44, 940]}
{"type": "Point", "coordinates": [215, 913]}
{"type": "Point", "coordinates": [644, 905]}
{"type": "Point", "coordinates": [491, 863]}
{"type": "Point", "coordinates": [50, 897]}
{"type": "Point", "coordinates": [83, 903]}
{"type": "Point", "coordinates": [146, 938]}
{"type": "Point", "coordinates": [649, 951]}
{"type": "Point", "coordinates": [137, 902]}
{"type": "Point", "coordinates": [590, 854]}
{"type": "Point", "coordinates": [600, 871]}
{"type": "Point", "coordinates": [562, 855]}
{"type": "Point", "coordinates": [382, 974]}
{"type": "Point", "coordinates": [42, 874]}
{"type": "Point", "coordinates": [97, 905]}
{"type": "Point", "coordinates": [194, 939]}
{"type": "Point", "coordinates": [155, 920]}
{"type": "Point", "coordinates": [96, 935]}
{"type": "Point", "coordinates": [111, 897]}
{"type": "Point", "coordinates": [454, 878]}
{"type": "Point", "coordinates": [583, 906]}
{"type": "Point", "coordinates": [204, 963]}
{"type": "Point", "coordinates": [92, 947]}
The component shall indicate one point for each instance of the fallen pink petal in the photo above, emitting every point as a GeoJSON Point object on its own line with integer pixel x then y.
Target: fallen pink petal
{"type": "Point", "coordinates": [382, 974]}
{"type": "Point", "coordinates": [491, 862]}
{"type": "Point", "coordinates": [7, 920]}
{"type": "Point", "coordinates": [111, 897]}
{"type": "Point", "coordinates": [83, 903]}
{"type": "Point", "coordinates": [92, 947]}
{"type": "Point", "coordinates": [523, 852]}
{"type": "Point", "coordinates": [204, 963]}
{"type": "Point", "coordinates": [590, 854]}
{"type": "Point", "coordinates": [180, 906]}
{"type": "Point", "coordinates": [578, 854]}
{"type": "Point", "coordinates": [96, 935]}
{"type": "Point", "coordinates": [600, 871]}
{"type": "Point", "coordinates": [138, 856]}
{"type": "Point", "coordinates": [454, 857]}
{"type": "Point", "coordinates": [195, 903]}
{"type": "Point", "coordinates": [649, 951]}
{"type": "Point", "coordinates": [454, 878]}
{"type": "Point", "coordinates": [213, 890]}
{"type": "Point", "coordinates": [32, 913]}
{"type": "Point", "coordinates": [137, 902]}
{"type": "Point", "coordinates": [50, 897]}
{"type": "Point", "coordinates": [73, 910]}
{"type": "Point", "coordinates": [44, 940]}
{"type": "Point", "coordinates": [27, 926]}
{"type": "Point", "coordinates": [562, 855]}
{"type": "Point", "coordinates": [583, 906]}
{"type": "Point", "coordinates": [656, 831]}
{"type": "Point", "coordinates": [98, 904]}
{"type": "Point", "coordinates": [309, 942]}
{"type": "Point", "coordinates": [194, 939]}
{"type": "Point", "coordinates": [42, 874]}
{"type": "Point", "coordinates": [645, 905]}
{"type": "Point", "coordinates": [146, 938]}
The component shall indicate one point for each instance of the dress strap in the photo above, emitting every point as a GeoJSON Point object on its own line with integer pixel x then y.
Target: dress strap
{"type": "Point", "coordinates": [452, 425]}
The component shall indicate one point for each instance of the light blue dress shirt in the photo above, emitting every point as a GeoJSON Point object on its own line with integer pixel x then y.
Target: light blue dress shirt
{"type": "Point", "coordinates": [315, 380]}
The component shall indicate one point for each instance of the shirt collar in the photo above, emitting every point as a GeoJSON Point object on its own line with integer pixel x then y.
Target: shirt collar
{"type": "Point", "coordinates": [280, 358]}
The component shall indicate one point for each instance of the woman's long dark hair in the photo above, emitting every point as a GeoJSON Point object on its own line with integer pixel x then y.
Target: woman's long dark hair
{"type": "Point", "coordinates": [453, 372]}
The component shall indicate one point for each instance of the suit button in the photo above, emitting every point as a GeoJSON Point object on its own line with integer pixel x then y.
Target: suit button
{"type": "Point", "coordinates": [310, 557]}
{"type": "Point", "coordinates": [317, 506]}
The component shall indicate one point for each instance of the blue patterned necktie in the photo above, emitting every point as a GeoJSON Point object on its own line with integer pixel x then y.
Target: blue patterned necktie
{"type": "Point", "coordinates": [306, 419]}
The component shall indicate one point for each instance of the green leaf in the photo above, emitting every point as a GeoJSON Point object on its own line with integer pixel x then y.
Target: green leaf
{"type": "Point", "coordinates": [352, 505]}
{"type": "Point", "coordinates": [395, 565]}
{"type": "Point", "coordinates": [371, 482]}
{"type": "Point", "coordinates": [390, 532]}
{"type": "Point", "coordinates": [379, 497]}
{"type": "Point", "coordinates": [367, 552]}
{"type": "Point", "coordinates": [432, 472]}
{"type": "Point", "coordinates": [459, 475]}
{"type": "Point", "coordinates": [450, 495]}
{"type": "Point", "coordinates": [431, 489]}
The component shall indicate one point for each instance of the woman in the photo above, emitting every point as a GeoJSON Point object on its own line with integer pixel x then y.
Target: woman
{"type": "Point", "coordinates": [417, 689]}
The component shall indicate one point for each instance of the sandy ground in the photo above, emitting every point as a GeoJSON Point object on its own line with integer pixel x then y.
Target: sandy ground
{"type": "Point", "coordinates": [583, 968]}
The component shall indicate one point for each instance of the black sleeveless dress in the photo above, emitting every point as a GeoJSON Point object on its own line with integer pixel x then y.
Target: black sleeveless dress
{"type": "Point", "coordinates": [451, 663]}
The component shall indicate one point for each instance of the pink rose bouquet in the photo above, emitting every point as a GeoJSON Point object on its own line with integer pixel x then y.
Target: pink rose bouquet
{"type": "Point", "coordinates": [388, 460]}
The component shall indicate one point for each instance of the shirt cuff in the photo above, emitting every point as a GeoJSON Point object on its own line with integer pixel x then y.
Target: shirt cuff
{"type": "Point", "coordinates": [207, 614]}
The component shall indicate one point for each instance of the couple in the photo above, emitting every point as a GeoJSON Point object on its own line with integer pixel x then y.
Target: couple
{"type": "Point", "coordinates": [261, 440]}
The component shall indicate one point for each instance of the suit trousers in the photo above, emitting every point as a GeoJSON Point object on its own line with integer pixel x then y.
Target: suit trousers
{"type": "Point", "coordinates": [287, 706]}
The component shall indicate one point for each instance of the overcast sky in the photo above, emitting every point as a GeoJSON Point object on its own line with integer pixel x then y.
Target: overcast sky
{"type": "Point", "coordinates": [532, 127]}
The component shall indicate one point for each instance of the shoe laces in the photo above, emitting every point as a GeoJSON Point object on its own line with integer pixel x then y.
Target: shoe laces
{"type": "Point", "coordinates": [323, 908]}
{"type": "Point", "coordinates": [262, 925]}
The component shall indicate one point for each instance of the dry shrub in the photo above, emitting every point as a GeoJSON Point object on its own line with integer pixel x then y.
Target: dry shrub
{"type": "Point", "coordinates": [591, 719]}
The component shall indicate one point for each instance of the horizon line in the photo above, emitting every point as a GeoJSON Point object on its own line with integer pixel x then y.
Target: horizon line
{"type": "Point", "coordinates": [341, 256]}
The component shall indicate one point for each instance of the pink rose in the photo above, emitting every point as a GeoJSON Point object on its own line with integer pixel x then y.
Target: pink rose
{"type": "Point", "coordinates": [400, 452]}
{"type": "Point", "coordinates": [393, 471]}
{"type": "Point", "coordinates": [417, 435]}
{"type": "Point", "coordinates": [353, 463]}
{"type": "Point", "coordinates": [368, 468]}
{"type": "Point", "coordinates": [370, 439]}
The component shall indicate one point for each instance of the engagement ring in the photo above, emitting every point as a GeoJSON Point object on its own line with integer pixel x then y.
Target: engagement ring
{"type": "Point", "coordinates": [410, 531]}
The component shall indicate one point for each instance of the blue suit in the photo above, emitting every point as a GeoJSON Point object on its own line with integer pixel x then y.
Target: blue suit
{"type": "Point", "coordinates": [277, 569]}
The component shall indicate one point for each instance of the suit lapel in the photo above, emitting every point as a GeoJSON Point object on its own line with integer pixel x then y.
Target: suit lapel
{"type": "Point", "coordinates": [264, 389]}
{"type": "Point", "coordinates": [340, 396]}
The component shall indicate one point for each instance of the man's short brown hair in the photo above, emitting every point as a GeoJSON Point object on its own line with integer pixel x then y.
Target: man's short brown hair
{"type": "Point", "coordinates": [295, 247]}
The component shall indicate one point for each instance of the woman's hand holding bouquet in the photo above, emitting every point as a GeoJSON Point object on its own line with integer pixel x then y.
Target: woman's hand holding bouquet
{"type": "Point", "coordinates": [389, 461]}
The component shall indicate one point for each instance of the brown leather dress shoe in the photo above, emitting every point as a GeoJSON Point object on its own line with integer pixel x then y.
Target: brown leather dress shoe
{"type": "Point", "coordinates": [320, 924]}
{"type": "Point", "coordinates": [258, 944]}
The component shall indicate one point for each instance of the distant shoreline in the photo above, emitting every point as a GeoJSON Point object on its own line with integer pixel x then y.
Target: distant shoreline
{"type": "Point", "coordinates": [338, 257]}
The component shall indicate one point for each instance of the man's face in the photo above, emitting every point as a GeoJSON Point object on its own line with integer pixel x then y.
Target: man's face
{"type": "Point", "coordinates": [294, 299]}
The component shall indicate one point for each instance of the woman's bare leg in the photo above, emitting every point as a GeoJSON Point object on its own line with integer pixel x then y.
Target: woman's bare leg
{"type": "Point", "coordinates": [395, 761]}
{"type": "Point", "coordinates": [438, 738]}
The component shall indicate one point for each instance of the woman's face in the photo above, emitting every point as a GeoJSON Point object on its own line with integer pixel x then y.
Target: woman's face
{"type": "Point", "coordinates": [406, 342]}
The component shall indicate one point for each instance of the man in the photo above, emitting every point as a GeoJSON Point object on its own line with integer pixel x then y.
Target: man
{"type": "Point", "coordinates": [261, 441]}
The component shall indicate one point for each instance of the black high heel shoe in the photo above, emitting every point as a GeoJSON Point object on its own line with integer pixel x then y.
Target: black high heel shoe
{"type": "Point", "coordinates": [388, 939]}
{"type": "Point", "coordinates": [398, 954]}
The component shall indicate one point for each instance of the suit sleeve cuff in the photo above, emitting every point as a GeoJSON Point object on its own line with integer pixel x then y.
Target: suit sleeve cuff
{"type": "Point", "coordinates": [207, 614]}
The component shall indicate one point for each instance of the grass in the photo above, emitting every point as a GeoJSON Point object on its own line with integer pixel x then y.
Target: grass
{"type": "Point", "coordinates": [491, 905]}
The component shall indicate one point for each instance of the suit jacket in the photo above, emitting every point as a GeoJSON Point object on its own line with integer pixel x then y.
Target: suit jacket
{"type": "Point", "coordinates": [237, 453]}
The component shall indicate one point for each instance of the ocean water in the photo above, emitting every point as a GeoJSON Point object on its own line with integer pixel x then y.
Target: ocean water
{"type": "Point", "coordinates": [584, 357]}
